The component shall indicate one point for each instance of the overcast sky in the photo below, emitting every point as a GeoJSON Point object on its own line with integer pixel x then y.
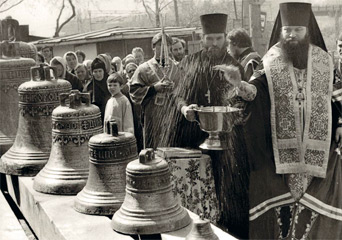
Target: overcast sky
{"type": "Point", "coordinates": [42, 19]}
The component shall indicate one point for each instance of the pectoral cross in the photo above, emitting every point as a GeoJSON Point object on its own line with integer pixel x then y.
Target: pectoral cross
{"type": "Point", "coordinates": [208, 96]}
{"type": "Point", "coordinates": [300, 96]}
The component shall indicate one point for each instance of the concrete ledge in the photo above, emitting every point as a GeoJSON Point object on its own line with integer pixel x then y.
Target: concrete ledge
{"type": "Point", "coordinates": [10, 228]}
{"type": "Point", "coordinates": [53, 217]}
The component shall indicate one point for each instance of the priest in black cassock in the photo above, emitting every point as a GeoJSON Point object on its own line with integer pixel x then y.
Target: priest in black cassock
{"type": "Point", "coordinates": [202, 85]}
{"type": "Point", "coordinates": [293, 134]}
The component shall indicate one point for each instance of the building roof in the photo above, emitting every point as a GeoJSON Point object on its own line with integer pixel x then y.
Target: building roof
{"type": "Point", "coordinates": [115, 33]}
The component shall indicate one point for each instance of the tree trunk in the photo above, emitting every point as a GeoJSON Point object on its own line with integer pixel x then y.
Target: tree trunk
{"type": "Point", "coordinates": [176, 12]}
{"type": "Point", "coordinates": [59, 27]}
{"type": "Point", "coordinates": [157, 13]}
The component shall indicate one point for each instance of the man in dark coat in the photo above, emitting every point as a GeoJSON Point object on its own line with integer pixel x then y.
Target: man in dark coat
{"type": "Point", "coordinates": [202, 85]}
{"type": "Point", "coordinates": [293, 134]}
{"type": "Point", "coordinates": [240, 47]}
{"type": "Point", "coordinates": [97, 86]}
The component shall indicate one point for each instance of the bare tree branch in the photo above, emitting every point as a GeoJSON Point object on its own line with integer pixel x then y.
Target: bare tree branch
{"type": "Point", "coordinates": [147, 11]}
{"type": "Point", "coordinates": [66, 21]}
{"type": "Point", "coordinates": [161, 8]}
{"type": "Point", "coordinates": [59, 16]}
{"type": "Point", "coordinates": [149, 8]}
{"type": "Point", "coordinates": [11, 6]}
{"type": "Point", "coordinates": [1, 4]}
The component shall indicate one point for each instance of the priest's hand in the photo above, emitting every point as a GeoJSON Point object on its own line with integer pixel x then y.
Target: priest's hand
{"type": "Point", "coordinates": [231, 74]}
{"type": "Point", "coordinates": [162, 86]}
{"type": "Point", "coordinates": [189, 113]}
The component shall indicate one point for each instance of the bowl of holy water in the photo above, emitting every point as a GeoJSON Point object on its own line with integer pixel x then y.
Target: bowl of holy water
{"type": "Point", "coordinates": [216, 120]}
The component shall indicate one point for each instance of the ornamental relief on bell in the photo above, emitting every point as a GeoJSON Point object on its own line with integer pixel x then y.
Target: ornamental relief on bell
{"type": "Point", "coordinates": [17, 73]}
{"type": "Point", "coordinates": [36, 110]}
{"type": "Point", "coordinates": [10, 86]}
{"type": "Point", "coordinates": [39, 97]}
{"type": "Point", "coordinates": [148, 182]}
{"type": "Point", "coordinates": [76, 125]}
{"type": "Point", "coordinates": [115, 152]}
{"type": "Point", "coordinates": [77, 139]}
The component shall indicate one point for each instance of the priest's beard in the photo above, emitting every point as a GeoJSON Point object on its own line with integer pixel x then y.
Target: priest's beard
{"type": "Point", "coordinates": [215, 53]}
{"type": "Point", "coordinates": [296, 52]}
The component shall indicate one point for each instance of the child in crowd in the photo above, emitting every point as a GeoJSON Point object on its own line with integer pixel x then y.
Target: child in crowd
{"type": "Point", "coordinates": [71, 60]}
{"type": "Point", "coordinates": [118, 106]}
{"type": "Point", "coordinates": [60, 64]}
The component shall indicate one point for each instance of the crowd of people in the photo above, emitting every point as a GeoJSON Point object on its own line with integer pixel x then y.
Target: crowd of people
{"type": "Point", "coordinates": [281, 176]}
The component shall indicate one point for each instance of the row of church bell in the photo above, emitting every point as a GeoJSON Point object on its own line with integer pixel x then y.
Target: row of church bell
{"type": "Point", "coordinates": [55, 134]}
{"type": "Point", "coordinates": [59, 139]}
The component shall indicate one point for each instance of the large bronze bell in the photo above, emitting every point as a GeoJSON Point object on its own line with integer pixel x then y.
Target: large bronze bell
{"type": "Point", "coordinates": [201, 230]}
{"type": "Point", "coordinates": [73, 125]}
{"type": "Point", "coordinates": [37, 99]}
{"type": "Point", "coordinates": [149, 206]}
{"type": "Point", "coordinates": [10, 31]}
{"type": "Point", "coordinates": [110, 152]}
{"type": "Point", "coordinates": [14, 71]}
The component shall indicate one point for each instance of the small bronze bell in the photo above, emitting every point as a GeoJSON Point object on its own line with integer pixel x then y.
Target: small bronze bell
{"type": "Point", "coordinates": [110, 152]}
{"type": "Point", "coordinates": [201, 230]}
{"type": "Point", "coordinates": [149, 206]}
{"type": "Point", "coordinates": [14, 71]}
{"type": "Point", "coordinates": [73, 125]}
{"type": "Point", "coordinates": [37, 99]}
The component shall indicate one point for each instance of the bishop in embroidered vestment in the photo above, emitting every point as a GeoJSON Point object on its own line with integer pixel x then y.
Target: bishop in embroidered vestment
{"type": "Point", "coordinates": [295, 179]}
{"type": "Point", "coordinates": [143, 91]}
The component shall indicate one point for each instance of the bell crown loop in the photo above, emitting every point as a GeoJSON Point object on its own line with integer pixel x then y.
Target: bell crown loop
{"type": "Point", "coordinates": [75, 97]}
{"type": "Point", "coordinates": [146, 156]}
{"type": "Point", "coordinates": [111, 128]}
{"type": "Point", "coordinates": [43, 72]}
{"type": "Point", "coordinates": [9, 49]}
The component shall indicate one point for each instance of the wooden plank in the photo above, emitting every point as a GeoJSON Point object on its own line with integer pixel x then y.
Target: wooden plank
{"type": "Point", "coordinates": [53, 217]}
{"type": "Point", "coordinates": [10, 228]}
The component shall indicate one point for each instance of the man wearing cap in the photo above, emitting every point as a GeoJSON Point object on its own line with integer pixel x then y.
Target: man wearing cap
{"type": "Point", "coordinates": [202, 85]}
{"type": "Point", "coordinates": [293, 134]}
{"type": "Point", "coordinates": [150, 86]}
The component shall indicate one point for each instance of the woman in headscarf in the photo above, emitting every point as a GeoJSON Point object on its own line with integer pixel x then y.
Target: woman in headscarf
{"type": "Point", "coordinates": [87, 63]}
{"type": "Point", "coordinates": [71, 61]}
{"type": "Point", "coordinates": [107, 61]}
{"type": "Point", "coordinates": [97, 87]}
{"type": "Point", "coordinates": [62, 73]}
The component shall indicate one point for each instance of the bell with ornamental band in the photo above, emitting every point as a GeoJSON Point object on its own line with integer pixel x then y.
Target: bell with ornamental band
{"type": "Point", "coordinates": [74, 122]}
{"type": "Point", "coordinates": [37, 99]}
{"type": "Point", "coordinates": [14, 70]}
{"type": "Point", "coordinates": [149, 206]}
{"type": "Point", "coordinates": [109, 154]}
